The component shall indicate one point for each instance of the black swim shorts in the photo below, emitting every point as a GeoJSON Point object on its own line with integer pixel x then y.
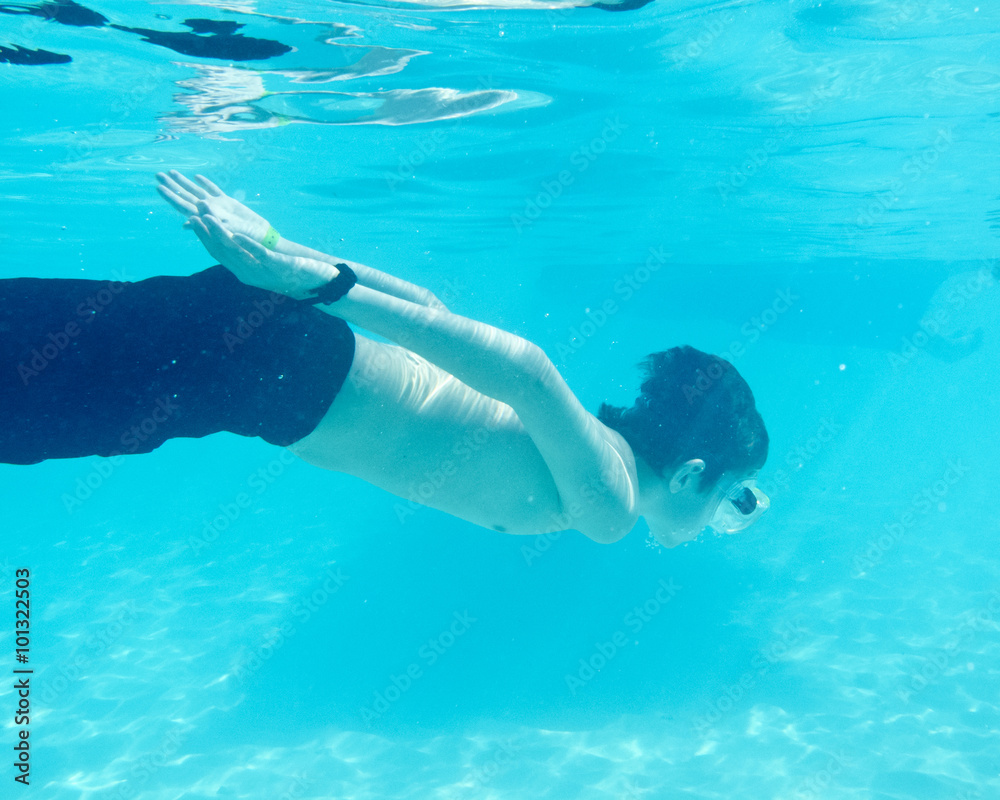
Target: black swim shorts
{"type": "Point", "coordinates": [111, 368]}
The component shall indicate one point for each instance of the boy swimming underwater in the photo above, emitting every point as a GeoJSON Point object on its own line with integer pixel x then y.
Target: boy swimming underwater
{"type": "Point", "coordinates": [478, 416]}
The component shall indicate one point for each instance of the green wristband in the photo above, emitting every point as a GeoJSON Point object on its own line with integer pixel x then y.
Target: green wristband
{"type": "Point", "coordinates": [270, 238]}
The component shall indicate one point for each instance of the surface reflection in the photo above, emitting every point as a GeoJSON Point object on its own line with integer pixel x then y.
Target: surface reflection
{"type": "Point", "coordinates": [230, 99]}
{"type": "Point", "coordinates": [206, 38]}
{"type": "Point", "coordinates": [212, 39]}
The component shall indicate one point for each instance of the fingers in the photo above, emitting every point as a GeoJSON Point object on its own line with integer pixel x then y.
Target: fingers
{"type": "Point", "coordinates": [234, 244]}
{"type": "Point", "coordinates": [175, 200]}
{"type": "Point", "coordinates": [176, 188]}
{"type": "Point", "coordinates": [221, 245]}
{"type": "Point", "coordinates": [210, 187]}
{"type": "Point", "coordinates": [195, 224]}
{"type": "Point", "coordinates": [187, 189]}
{"type": "Point", "coordinates": [216, 248]}
{"type": "Point", "coordinates": [169, 184]}
{"type": "Point", "coordinates": [255, 249]}
{"type": "Point", "coordinates": [215, 228]}
{"type": "Point", "coordinates": [202, 233]}
{"type": "Point", "coordinates": [188, 185]}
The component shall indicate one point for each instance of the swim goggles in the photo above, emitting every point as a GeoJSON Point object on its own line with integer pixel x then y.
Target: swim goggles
{"type": "Point", "coordinates": [740, 506]}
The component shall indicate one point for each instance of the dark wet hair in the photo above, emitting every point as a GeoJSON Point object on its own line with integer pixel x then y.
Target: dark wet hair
{"type": "Point", "coordinates": [692, 405]}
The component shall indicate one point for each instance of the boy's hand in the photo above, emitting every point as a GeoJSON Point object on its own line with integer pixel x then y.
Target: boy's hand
{"type": "Point", "coordinates": [190, 199]}
{"type": "Point", "coordinates": [255, 265]}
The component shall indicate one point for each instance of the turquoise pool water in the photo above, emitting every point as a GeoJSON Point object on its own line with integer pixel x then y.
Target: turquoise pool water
{"type": "Point", "coordinates": [815, 188]}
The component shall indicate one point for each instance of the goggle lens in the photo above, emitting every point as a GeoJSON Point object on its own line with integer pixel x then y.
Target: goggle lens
{"type": "Point", "coordinates": [741, 506]}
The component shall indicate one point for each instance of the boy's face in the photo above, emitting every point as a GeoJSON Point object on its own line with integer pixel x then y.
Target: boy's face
{"type": "Point", "coordinates": [671, 504]}
{"type": "Point", "coordinates": [677, 511]}
{"type": "Point", "coordinates": [681, 518]}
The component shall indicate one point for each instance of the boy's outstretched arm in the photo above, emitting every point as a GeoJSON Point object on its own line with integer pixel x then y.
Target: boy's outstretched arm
{"type": "Point", "coordinates": [593, 472]}
{"type": "Point", "coordinates": [190, 198]}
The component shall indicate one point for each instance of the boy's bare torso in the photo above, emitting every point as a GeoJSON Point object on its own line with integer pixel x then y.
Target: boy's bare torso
{"type": "Point", "coordinates": [505, 445]}
{"type": "Point", "coordinates": [407, 426]}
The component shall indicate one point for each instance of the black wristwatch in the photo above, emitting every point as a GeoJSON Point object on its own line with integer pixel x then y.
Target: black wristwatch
{"type": "Point", "coordinates": [331, 292]}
